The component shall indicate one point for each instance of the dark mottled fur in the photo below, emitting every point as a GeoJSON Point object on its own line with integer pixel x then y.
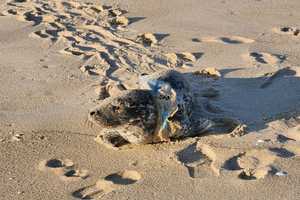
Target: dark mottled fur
{"type": "Point", "coordinates": [131, 107]}
{"type": "Point", "coordinates": [133, 115]}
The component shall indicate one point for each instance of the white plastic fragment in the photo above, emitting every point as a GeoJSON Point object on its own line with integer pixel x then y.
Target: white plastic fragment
{"type": "Point", "coordinates": [258, 142]}
{"type": "Point", "coordinates": [281, 173]}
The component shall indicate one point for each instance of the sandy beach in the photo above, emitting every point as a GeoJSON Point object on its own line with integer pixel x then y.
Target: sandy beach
{"type": "Point", "coordinates": [62, 58]}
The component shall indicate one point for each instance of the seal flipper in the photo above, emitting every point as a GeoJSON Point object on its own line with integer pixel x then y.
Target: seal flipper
{"type": "Point", "coordinates": [200, 126]}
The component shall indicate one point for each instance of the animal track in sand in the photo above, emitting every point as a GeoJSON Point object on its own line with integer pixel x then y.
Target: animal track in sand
{"type": "Point", "coordinates": [64, 169]}
{"type": "Point", "coordinates": [264, 58]}
{"type": "Point", "coordinates": [226, 40]}
{"type": "Point", "coordinates": [108, 184]}
{"type": "Point", "coordinates": [283, 139]}
{"type": "Point", "coordinates": [108, 87]}
{"type": "Point", "coordinates": [282, 152]}
{"type": "Point", "coordinates": [246, 164]}
{"type": "Point", "coordinates": [256, 164]}
{"type": "Point", "coordinates": [287, 31]}
{"type": "Point", "coordinates": [179, 59]}
{"type": "Point", "coordinates": [290, 134]}
{"type": "Point", "coordinates": [89, 31]}
{"type": "Point", "coordinates": [195, 162]}
{"type": "Point", "coordinates": [254, 159]}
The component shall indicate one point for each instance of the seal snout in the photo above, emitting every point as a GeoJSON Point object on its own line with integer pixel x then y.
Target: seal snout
{"type": "Point", "coordinates": [92, 114]}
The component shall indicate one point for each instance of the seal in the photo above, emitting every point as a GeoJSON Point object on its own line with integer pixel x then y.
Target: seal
{"type": "Point", "coordinates": [158, 111]}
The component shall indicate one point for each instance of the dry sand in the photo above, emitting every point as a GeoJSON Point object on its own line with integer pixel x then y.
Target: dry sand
{"type": "Point", "coordinates": [56, 54]}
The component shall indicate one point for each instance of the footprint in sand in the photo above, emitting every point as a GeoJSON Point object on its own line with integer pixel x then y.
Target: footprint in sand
{"type": "Point", "coordinates": [196, 163]}
{"type": "Point", "coordinates": [95, 65]}
{"type": "Point", "coordinates": [92, 32]}
{"type": "Point", "coordinates": [189, 57]}
{"type": "Point", "coordinates": [289, 138]}
{"type": "Point", "coordinates": [40, 34]}
{"type": "Point", "coordinates": [283, 139]}
{"type": "Point", "coordinates": [254, 159]}
{"type": "Point", "coordinates": [249, 165]}
{"type": "Point", "coordinates": [287, 30]}
{"type": "Point", "coordinates": [64, 169]}
{"type": "Point", "coordinates": [108, 184]}
{"type": "Point", "coordinates": [109, 89]}
{"type": "Point", "coordinates": [264, 58]}
{"type": "Point", "coordinates": [181, 59]}
{"type": "Point", "coordinates": [226, 40]}
{"type": "Point", "coordinates": [256, 164]}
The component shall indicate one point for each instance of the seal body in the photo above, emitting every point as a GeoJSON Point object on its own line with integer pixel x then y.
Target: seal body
{"type": "Point", "coordinates": [160, 110]}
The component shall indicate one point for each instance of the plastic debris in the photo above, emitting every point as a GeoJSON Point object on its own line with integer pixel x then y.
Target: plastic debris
{"type": "Point", "coordinates": [281, 173]}
{"type": "Point", "coordinates": [168, 102]}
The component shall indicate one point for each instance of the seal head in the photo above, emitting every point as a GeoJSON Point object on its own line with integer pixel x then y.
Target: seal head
{"type": "Point", "coordinates": [127, 118]}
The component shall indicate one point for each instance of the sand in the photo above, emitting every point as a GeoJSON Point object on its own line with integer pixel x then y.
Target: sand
{"type": "Point", "coordinates": [57, 58]}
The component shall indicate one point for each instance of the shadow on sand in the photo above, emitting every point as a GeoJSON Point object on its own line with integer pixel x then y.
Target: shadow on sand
{"type": "Point", "coordinates": [253, 101]}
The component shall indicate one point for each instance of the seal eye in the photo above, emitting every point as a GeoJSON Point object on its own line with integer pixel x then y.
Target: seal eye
{"type": "Point", "coordinates": [115, 108]}
{"type": "Point", "coordinates": [92, 113]}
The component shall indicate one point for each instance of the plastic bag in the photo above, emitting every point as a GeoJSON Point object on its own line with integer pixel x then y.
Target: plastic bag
{"type": "Point", "coordinates": [167, 102]}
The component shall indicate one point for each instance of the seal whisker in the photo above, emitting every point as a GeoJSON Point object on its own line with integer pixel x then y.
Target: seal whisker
{"type": "Point", "coordinates": [89, 124]}
{"type": "Point", "coordinates": [86, 121]}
